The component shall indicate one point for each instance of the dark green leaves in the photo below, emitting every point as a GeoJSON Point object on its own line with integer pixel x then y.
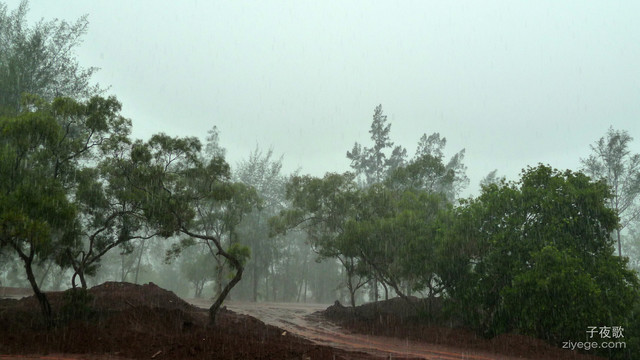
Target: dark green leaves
{"type": "Point", "coordinates": [536, 251]}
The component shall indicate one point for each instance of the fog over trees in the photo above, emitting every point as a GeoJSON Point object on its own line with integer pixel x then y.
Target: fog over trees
{"type": "Point", "coordinates": [82, 202]}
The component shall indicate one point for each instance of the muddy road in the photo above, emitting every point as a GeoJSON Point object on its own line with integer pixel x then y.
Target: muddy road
{"type": "Point", "coordinates": [300, 319]}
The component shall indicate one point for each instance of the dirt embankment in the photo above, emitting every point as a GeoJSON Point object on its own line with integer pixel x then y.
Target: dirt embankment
{"type": "Point", "coordinates": [144, 322]}
{"type": "Point", "coordinates": [126, 321]}
{"type": "Point", "coordinates": [419, 320]}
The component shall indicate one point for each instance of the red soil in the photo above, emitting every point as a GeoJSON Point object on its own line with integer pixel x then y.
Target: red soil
{"type": "Point", "coordinates": [145, 321]}
{"type": "Point", "coordinates": [393, 318]}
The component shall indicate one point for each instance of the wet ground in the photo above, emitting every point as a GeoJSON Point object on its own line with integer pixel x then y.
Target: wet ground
{"type": "Point", "coordinates": [304, 320]}
{"type": "Point", "coordinates": [127, 321]}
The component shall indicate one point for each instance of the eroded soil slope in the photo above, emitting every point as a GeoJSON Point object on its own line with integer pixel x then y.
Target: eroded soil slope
{"type": "Point", "coordinates": [143, 322]}
{"type": "Point", "coordinates": [418, 322]}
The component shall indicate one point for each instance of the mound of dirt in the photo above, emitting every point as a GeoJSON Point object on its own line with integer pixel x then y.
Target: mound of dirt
{"type": "Point", "coordinates": [146, 321]}
{"type": "Point", "coordinates": [14, 292]}
{"type": "Point", "coordinates": [396, 310]}
{"type": "Point", "coordinates": [122, 295]}
{"type": "Point", "coordinates": [421, 320]}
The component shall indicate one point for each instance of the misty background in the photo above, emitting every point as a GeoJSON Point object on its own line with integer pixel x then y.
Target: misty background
{"type": "Point", "coordinates": [514, 83]}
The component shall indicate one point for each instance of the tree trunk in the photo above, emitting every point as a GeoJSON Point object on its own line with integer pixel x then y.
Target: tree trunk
{"type": "Point", "coordinates": [306, 282]}
{"type": "Point", "coordinates": [42, 297]}
{"type": "Point", "coordinates": [375, 288]}
{"type": "Point", "coordinates": [219, 277]}
{"type": "Point", "coordinates": [352, 295]}
{"type": "Point", "coordinates": [83, 282]}
{"type": "Point", "coordinates": [213, 310]}
{"type": "Point", "coordinates": [235, 263]}
{"type": "Point", "coordinates": [274, 290]}
{"type": "Point", "coordinates": [125, 269]}
{"type": "Point", "coordinates": [44, 275]}
{"type": "Point", "coordinates": [352, 289]}
{"type": "Point", "coordinates": [135, 281]}
{"type": "Point", "coordinates": [619, 243]}
{"type": "Point", "coordinates": [254, 285]}
{"type": "Point", "coordinates": [303, 278]}
{"type": "Point", "coordinates": [199, 287]}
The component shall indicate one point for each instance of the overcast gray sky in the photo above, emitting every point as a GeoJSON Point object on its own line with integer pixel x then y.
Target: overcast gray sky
{"type": "Point", "coordinates": [513, 82]}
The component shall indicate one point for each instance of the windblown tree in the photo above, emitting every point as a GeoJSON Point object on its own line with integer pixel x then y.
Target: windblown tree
{"type": "Point", "coordinates": [373, 164]}
{"type": "Point", "coordinates": [43, 150]}
{"type": "Point", "coordinates": [611, 160]}
{"type": "Point", "coordinates": [428, 172]}
{"type": "Point", "coordinates": [221, 218]}
{"type": "Point", "coordinates": [108, 215]}
{"type": "Point", "coordinates": [184, 191]}
{"type": "Point", "coordinates": [382, 163]}
{"type": "Point", "coordinates": [40, 59]}
{"type": "Point", "coordinates": [491, 178]}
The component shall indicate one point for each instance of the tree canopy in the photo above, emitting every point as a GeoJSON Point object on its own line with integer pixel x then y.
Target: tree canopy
{"type": "Point", "coordinates": [44, 148]}
{"type": "Point", "coordinates": [537, 257]}
{"type": "Point", "coordinates": [612, 161]}
{"type": "Point", "coordinates": [40, 59]}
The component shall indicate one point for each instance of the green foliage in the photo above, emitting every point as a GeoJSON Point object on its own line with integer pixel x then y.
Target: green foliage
{"type": "Point", "coordinates": [176, 249]}
{"type": "Point", "coordinates": [322, 206]}
{"type": "Point", "coordinates": [374, 232]}
{"type": "Point", "coordinates": [536, 257]}
{"type": "Point", "coordinates": [426, 171]}
{"type": "Point", "coordinates": [632, 326]}
{"type": "Point", "coordinates": [198, 267]}
{"type": "Point", "coordinates": [34, 209]}
{"type": "Point", "coordinates": [554, 297]}
{"type": "Point", "coordinates": [40, 59]}
{"type": "Point", "coordinates": [240, 252]}
{"type": "Point", "coordinates": [374, 163]}
{"type": "Point", "coordinates": [611, 161]}
{"type": "Point", "coordinates": [395, 234]}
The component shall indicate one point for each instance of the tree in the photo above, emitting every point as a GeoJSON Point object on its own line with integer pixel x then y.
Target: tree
{"type": "Point", "coordinates": [263, 173]}
{"type": "Point", "coordinates": [197, 268]}
{"type": "Point", "coordinates": [184, 190]}
{"type": "Point", "coordinates": [221, 217]}
{"type": "Point", "coordinates": [322, 207]}
{"type": "Point", "coordinates": [536, 257]}
{"type": "Point", "coordinates": [109, 216]}
{"type": "Point", "coordinates": [631, 243]}
{"type": "Point", "coordinates": [35, 213]}
{"type": "Point", "coordinates": [45, 151]}
{"type": "Point", "coordinates": [612, 161]}
{"type": "Point", "coordinates": [491, 178]}
{"type": "Point", "coordinates": [40, 60]}
{"type": "Point", "coordinates": [373, 163]}
{"type": "Point", "coordinates": [393, 233]}
{"type": "Point", "coordinates": [428, 172]}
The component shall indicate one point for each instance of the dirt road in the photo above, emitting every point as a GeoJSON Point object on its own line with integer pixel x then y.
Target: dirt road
{"type": "Point", "coordinates": [299, 319]}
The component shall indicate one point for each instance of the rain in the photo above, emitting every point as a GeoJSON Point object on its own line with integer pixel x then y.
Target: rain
{"type": "Point", "coordinates": [368, 180]}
